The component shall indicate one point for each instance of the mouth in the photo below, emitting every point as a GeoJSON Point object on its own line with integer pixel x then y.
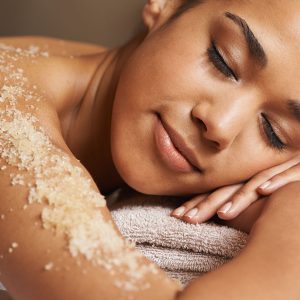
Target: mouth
{"type": "Point", "coordinates": [173, 150]}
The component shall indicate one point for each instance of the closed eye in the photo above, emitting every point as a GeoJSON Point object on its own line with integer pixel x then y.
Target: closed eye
{"type": "Point", "coordinates": [219, 63]}
{"type": "Point", "coordinates": [273, 140]}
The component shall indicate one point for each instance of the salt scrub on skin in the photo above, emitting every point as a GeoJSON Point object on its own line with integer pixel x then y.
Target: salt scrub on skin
{"type": "Point", "coordinates": [71, 205]}
{"type": "Point", "coordinates": [49, 266]}
{"type": "Point", "coordinates": [14, 245]}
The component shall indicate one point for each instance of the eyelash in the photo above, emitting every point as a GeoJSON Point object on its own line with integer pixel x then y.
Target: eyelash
{"type": "Point", "coordinates": [273, 140]}
{"type": "Point", "coordinates": [219, 63]}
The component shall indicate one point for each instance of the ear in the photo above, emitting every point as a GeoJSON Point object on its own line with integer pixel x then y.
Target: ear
{"type": "Point", "coordinates": [154, 11]}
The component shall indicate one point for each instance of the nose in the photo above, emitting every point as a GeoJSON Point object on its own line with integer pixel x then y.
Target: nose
{"type": "Point", "coordinates": [222, 122]}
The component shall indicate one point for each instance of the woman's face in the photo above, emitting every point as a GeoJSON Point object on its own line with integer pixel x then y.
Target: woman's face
{"type": "Point", "coordinates": [227, 97]}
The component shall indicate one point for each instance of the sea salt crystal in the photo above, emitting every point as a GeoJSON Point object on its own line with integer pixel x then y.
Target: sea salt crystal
{"type": "Point", "coordinates": [14, 245]}
{"type": "Point", "coordinates": [70, 203]}
{"type": "Point", "coordinates": [18, 180]}
{"type": "Point", "coordinates": [49, 266]}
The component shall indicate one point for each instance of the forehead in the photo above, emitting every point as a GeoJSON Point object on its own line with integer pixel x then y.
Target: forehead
{"type": "Point", "coordinates": [276, 24]}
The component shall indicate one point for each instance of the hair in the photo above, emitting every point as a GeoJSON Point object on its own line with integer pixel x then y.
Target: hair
{"type": "Point", "coordinates": [186, 5]}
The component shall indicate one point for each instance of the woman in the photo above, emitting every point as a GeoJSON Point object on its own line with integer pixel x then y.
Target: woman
{"type": "Point", "coordinates": [198, 80]}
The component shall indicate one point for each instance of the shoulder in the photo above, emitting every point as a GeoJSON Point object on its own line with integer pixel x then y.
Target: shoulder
{"type": "Point", "coordinates": [55, 70]}
{"type": "Point", "coordinates": [45, 189]}
{"type": "Point", "coordinates": [52, 46]}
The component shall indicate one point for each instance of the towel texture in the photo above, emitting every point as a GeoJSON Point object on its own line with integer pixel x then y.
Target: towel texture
{"type": "Point", "coordinates": [184, 250]}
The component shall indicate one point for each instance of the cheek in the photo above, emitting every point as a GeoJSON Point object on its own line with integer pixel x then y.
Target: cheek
{"type": "Point", "coordinates": [131, 148]}
{"type": "Point", "coordinates": [251, 161]}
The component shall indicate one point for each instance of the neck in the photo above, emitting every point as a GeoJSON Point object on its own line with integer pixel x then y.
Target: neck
{"type": "Point", "coordinates": [103, 87]}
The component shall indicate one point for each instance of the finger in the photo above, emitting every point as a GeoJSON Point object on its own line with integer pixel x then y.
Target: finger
{"type": "Point", "coordinates": [279, 180]}
{"type": "Point", "coordinates": [180, 211]}
{"type": "Point", "coordinates": [238, 203]}
{"type": "Point", "coordinates": [263, 177]}
{"type": "Point", "coordinates": [250, 192]}
{"type": "Point", "coordinates": [250, 188]}
{"type": "Point", "coordinates": [208, 207]}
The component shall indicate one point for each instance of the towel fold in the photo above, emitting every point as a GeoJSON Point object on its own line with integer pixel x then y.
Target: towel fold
{"type": "Point", "coordinates": [185, 251]}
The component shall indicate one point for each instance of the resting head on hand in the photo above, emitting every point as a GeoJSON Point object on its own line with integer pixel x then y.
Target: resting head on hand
{"type": "Point", "coordinates": [202, 106]}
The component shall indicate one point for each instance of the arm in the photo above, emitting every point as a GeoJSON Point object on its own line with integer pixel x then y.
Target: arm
{"type": "Point", "coordinates": [54, 46]}
{"type": "Point", "coordinates": [269, 267]}
{"type": "Point", "coordinates": [58, 240]}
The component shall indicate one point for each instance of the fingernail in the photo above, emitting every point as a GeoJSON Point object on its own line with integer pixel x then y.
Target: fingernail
{"type": "Point", "coordinates": [225, 209]}
{"type": "Point", "coordinates": [192, 213]}
{"type": "Point", "coordinates": [265, 185]}
{"type": "Point", "coordinates": [179, 211]}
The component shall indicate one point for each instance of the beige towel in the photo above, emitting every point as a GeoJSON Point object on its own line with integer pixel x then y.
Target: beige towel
{"type": "Point", "coordinates": [184, 250]}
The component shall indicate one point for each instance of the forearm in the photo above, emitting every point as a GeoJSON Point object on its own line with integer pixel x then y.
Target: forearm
{"type": "Point", "coordinates": [269, 266]}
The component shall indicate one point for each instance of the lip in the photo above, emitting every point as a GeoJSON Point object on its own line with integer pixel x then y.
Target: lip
{"type": "Point", "coordinates": [175, 153]}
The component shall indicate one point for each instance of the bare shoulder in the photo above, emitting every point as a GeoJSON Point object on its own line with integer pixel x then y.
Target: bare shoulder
{"type": "Point", "coordinates": [48, 68]}
{"type": "Point", "coordinates": [54, 222]}
{"type": "Point", "coordinates": [53, 46]}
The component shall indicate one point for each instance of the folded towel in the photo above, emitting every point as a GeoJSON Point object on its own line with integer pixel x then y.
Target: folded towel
{"type": "Point", "coordinates": [183, 250]}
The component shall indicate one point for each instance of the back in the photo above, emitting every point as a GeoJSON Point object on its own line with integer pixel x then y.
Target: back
{"type": "Point", "coordinates": [58, 240]}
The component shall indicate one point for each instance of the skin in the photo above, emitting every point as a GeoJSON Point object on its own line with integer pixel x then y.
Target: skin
{"type": "Point", "coordinates": [114, 95]}
{"type": "Point", "coordinates": [172, 76]}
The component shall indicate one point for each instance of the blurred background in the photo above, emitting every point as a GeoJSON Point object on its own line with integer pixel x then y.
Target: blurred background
{"type": "Point", "coordinates": [105, 22]}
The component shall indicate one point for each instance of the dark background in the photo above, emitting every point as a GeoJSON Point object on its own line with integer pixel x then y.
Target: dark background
{"type": "Point", "coordinates": [105, 22]}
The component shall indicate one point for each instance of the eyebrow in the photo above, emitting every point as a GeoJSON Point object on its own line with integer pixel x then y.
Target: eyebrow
{"type": "Point", "coordinates": [257, 52]}
{"type": "Point", "coordinates": [255, 48]}
{"type": "Point", "coordinates": [294, 107]}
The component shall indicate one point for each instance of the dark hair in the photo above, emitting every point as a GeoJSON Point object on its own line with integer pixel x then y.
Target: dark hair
{"type": "Point", "coordinates": [186, 5]}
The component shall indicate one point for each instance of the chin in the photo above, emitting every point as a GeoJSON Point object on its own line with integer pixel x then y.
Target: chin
{"type": "Point", "coordinates": [138, 181]}
{"type": "Point", "coordinates": [155, 186]}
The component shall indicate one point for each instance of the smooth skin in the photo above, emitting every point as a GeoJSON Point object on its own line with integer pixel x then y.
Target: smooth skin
{"type": "Point", "coordinates": [22, 271]}
{"type": "Point", "coordinates": [115, 95]}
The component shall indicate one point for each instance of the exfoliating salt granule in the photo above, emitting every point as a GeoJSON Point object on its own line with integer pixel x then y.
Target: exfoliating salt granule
{"type": "Point", "coordinates": [17, 180]}
{"type": "Point", "coordinates": [70, 204]}
{"type": "Point", "coordinates": [14, 245]}
{"type": "Point", "coordinates": [48, 266]}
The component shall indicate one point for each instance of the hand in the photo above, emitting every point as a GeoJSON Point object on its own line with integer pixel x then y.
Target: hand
{"type": "Point", "coordinates": [229, 201]}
